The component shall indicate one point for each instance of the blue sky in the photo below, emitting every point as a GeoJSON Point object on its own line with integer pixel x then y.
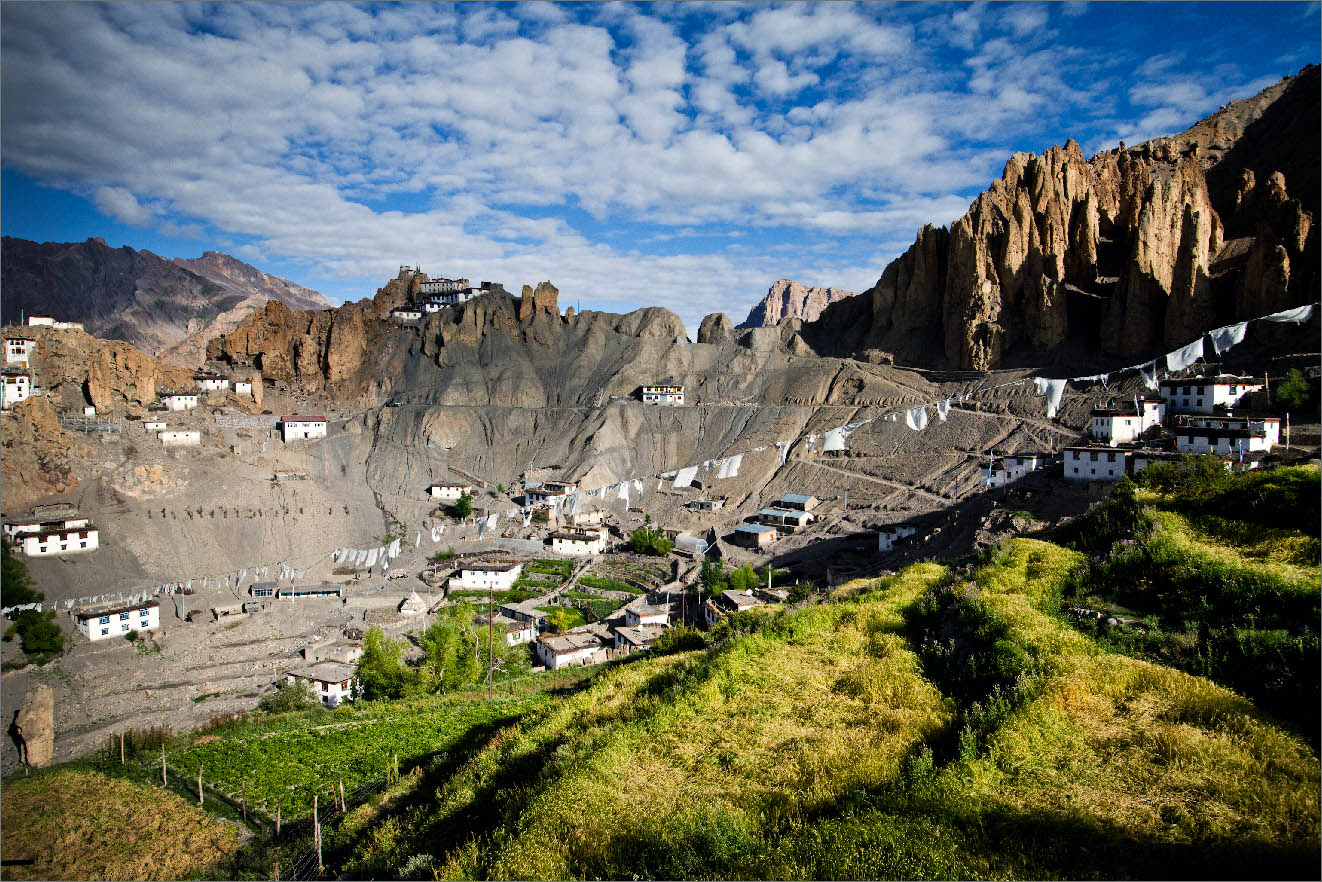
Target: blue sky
{"type": "Point", "coordinates": [677, 154]}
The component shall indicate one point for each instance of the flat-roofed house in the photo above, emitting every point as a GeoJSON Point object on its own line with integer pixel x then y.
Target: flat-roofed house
{"type": "Point", "coordinates": [209, 382]}
{"type": "Point", "coordinates": [798, 501]}
{"type": "Point", "coordinates": [99, 623]}
{"type": "Point", "coordinates": [636, 638]}
{"type": "Point", "coordinates": [1125, 422]}
{"type": "Point", "coordinates": [405, 314]}
{"type": "Point", "coordinates": [1007, 469]}
{"type": "Point", "coordinates": [1202, 394]}
{"type": "Point", "coordinates": [578, 541]}
{"type": "Point", "coordinates": [1226, 433]}
{"type": "Point", "coordinates": [889, 537]}
{"type": "Point", "coordinates": [18, 350]}
{"type": "Point", "coordinates": [488, 575]}
{"type": "Point", "coordinates": [515, 631]}
{"type": "Point", "coordinates": [729, 602]}
{"type": "Point", "coordinates": [757, 536]}
{"type": "Point", "coordinates": [789, 518]}
{"type": "Point", "coordinates": [17, 387]}
{"type": "Point", "coordinates": [573, 648]}
{"type": "Point", "coordinates": [262, 589]}
{"type": "Point", "coordinates": [333, 682]}
{"type": "Point", "coordinates": [646, 614]}
{"type": "Point", "coordinates": [449, 492]}
{"type": "Point", "coordinates": [243, 387]}
{"type": "Point", "coordinates": [57, 538]}
{"type": "Point", "coordinates": [706, 505]}
{"type": "Point", "coordinates": [1095, 463]}
{"type": "Point", "coordinates": [297, 428]}
{"type": "Point", "coordinates": [180, 437]}
{"type": "Point", "coordinates": [179, 400]}
{"type": "Point", "coordinates": [549, 492]}
{"type": "Point", "coordinates": [663, 394]}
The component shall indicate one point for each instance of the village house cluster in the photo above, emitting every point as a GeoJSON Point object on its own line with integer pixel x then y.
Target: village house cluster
{"type": "Point", "coordinates": [1194, 415]}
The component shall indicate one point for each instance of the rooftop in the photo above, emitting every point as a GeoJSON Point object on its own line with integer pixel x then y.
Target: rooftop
{"type": "Point", "coordinates": [325, 672]}
{"type": "Point", "coordinates": [489, 566]}
{"type": "Point", "coordinates": [755, 528]}
{"type": "Point", "coordinates": [95, 612]}
{"type": "Point", "coordinates": [797, 497]}
{"type": "Point", "coordinates": [303, 419]}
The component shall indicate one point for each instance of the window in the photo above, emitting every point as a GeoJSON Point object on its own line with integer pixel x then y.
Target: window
{"type": "Point", "coordinates": [124, 627]}
{"type": "Point", "coordinates": [1200, 402]}
{"type": "Point", "coordinates": [105, 631]}
{"type": "Point", "coordinates": [123, 617]}
{"type": "Point", "coordinates": [143, 613]}
{"type": "Point", "coordinates": [105, 620]}
{"type": "Point", "coordinates": [1110, 457]}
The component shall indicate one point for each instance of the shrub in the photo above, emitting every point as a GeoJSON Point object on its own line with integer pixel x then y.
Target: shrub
{"type": "Point", "coordinates": [649, 541]}
{"type": "Point", "coordinates": [287, 697]}
{"type": "Point", "coordinates": [679, 638]}
{"type": "Point", "coordinates": [463, 506]}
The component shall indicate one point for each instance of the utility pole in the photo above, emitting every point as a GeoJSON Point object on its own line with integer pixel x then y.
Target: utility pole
{"type": "Point", "coordinates": [491, 651]}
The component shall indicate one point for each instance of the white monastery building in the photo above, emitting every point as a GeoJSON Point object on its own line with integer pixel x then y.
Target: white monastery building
{"type": "Point", "coordinates": [18, 349]}
{"type": "Point", "coordinates": [180, 401]}
{"type": "Point", "coordinates": [663, 395]}
{"type": "Point", "coordinates": [212, 382]}
{"type": "Point", "coordinates": [243, 387]}
{"type": "Point", "coordinates": [99, 624]}
{"type": "Point", "coordinates": [1201, 394]}
{"type": "Point", "coordinates": [297, 428]}
{"type": "Point", "coordinates": [1122, 424]}
{"type": "Point", "coordinates": [17, 387]}
{"type": "Point", "coordinates": [1095, 464]}
{"type": "Point", "coordinates": [549, 492]}
{"type": "Point", "coordinates": [49, 538]}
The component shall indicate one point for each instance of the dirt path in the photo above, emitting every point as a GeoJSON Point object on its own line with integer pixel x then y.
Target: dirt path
{"type": "Point", "coordinates": [896, 485]}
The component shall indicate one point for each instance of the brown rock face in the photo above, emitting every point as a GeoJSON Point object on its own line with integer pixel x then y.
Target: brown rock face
{"type": "Point", "coordinates": [37, 717]}
{"type": "Point", "coordinates": [36, 461]}
{"type": "Point", "coordinates": [541, 300]}
{"type": "Point", "coordinates": [789, 299]}
{"type": "Point", "coordinates": [1123, 255]}
{"type": "Point", "coordinates": [716, 329]}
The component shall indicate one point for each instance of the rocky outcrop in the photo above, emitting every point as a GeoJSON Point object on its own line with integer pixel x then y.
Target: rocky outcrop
{"type": "Point", "coordinates": [37, 718]}
{"type": "Point", "coordinates": [37, 462]}
{"type": "Point", "coordinates": [539, 301]}
{"type": "Point", "coordinates": [716, 329]}
{"type": "Point", "coordinates": [77, 369]}
{"type": "Point", "coordinates": [166, 308]}
{"type": "Point", "coordinates": [1122, 255]}
{"type": "Point", "coordinates": [789, 299]}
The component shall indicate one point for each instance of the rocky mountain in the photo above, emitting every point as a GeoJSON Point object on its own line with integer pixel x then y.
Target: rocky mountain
{"type": "Point", "coordinates": [168, 308]}
{"type": "Point", "coordinates": [788, 299]}
{"type": "Point", "coordinates": [1116, 257]}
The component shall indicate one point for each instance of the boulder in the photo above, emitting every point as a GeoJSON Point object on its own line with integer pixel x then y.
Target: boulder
{"type": "Point", "coordinates": [37, 717]}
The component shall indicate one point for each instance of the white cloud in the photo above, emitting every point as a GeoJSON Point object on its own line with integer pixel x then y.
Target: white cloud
{"type": "Point", "coordinates": [1024, 19]}
{"type": "Point", "coordinates": [121, 205]}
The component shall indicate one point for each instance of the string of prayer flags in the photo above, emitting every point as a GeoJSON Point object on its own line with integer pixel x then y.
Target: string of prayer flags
{"type": "Point", "coordinates": [1228, 336]}
{"type": "Point", "coordinates": [916, 417]}
{"type": "Point", "coordinates": [1184, 356]}
{"type": "Point", "coordinates": [783, 450]}
{"type": "Point", "coordinates": [1053, 390]}
{"type": "Point", "coordinates": [684, 477]}
{"type": "Point", "coordinates": [943, 409]}
{"type": "Point", "coordinates": [1298, 315]}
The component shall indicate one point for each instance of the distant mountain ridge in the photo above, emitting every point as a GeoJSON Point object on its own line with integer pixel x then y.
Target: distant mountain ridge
{"type": "Point", "coordinates": [789, 299]}
{"type": "Point", "coordinates": [168, 308]}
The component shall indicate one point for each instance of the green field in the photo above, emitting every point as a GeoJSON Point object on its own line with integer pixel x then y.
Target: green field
{"type": "Point", "coordinates": [935, 724]}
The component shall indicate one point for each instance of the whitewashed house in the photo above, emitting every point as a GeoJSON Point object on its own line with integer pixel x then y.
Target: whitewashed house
{"type": "Point", "coordinates": [15, 527]}
{"type": "Point", "coordinates": [179, 401]}
{"type": "Point", "coordinates": [706, 505]}
{"type": "Point", "coordinates": [549, 492]}
{"type": "Point", "coordinates": [154, 426]}
{"type": "Point", "coordinates": [449, 492]}
{"type": "Point", "coordinates": [212, 382]}
{"type": "Point", "coordinates": [1095, 464]}
{"type": "Point", "coordinates": [663, 394]}
{"type": "Point", "coordinates": [514, 630]}
{"type": "Point", "coordinates": [17, 387]}
{"type": "Point", "coordinates": [1224, 442]}
{"type": "Point", "coordinates": [180, 438]}
{"type": "Point", "coordinates": [58, 538]}
{"type": "Point", "coordinates": [1122, 423]}
{"type": "Point", "coordinates": [1008, 469]}
{"type": "Point", "coordinates": [578, 541]}
{"type": "Point", "coordinates": [18, 350]}
{"type": "Point", "coordinates": [1268, 427]}
{"type": "Point", "coordinates": [406, 314]}
{"type": "Point", "coordinates": [333, 682]}
{"type": "Point", "coordinates": [494, 576]}
{"type": "Point", "coordinates": [45, 321]}
{"type": "Point", "coordinates": [646, 614]}
{"type": "Point", "coordinates": [298, 428]}
{"type": "Point", "coordinates": [1202, 394]}
{"type": "Point", "coordinates": [889, 537]}
{"type": "Point", "coordinates": [442, 286]}
{"type": "Point", "coordinates": [636, 638]}
{"type": "Point", "coordinates": [573, 648]}
{"type": "Point", "coordinates": [730, 601]}
{"type": "Point", "coordinates": [243, 387]}
{"type": "Point", "coordinates": [116, 621]}
{"type": "Point", "coordinates": [591, 518]}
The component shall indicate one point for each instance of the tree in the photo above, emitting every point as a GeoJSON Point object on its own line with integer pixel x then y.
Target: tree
{"type": "Point", "coordinates": [800, 591]}
{"type": "Point", "coordinates": [767, 575]}
{"type": "Point", "coordinates": [559, 619]}
{"type": "Point", "coordinates": [288, 697]}
{"type": "Point", "coordinates": [381, 668]}
{"type": "Point", "coordinates": [451, 646]}
{"type": "Point", "coordinates": [463, 506]}
{"type": "Point", "coordinates": [1294, 391]}
{"type": "Point", "coordinates": [743, 579]}
{"type": "Point", "coordinates": [16, 585]}
{"type": "Point", "coordinates": [39, 633]}
{"type": "Point", "coordinates": [649, 541]}
{"type": "Point", "coordinates": [712, 574]}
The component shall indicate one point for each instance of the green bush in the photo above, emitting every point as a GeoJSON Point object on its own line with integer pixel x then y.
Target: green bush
{"type": "Point", "coordinates": [463, 506]}
{"type": "Point", "coordinates": [649, 541]}
{"type": "Point", "coordinates": [287, 697]}
{"type": "Point", "coordinates": [679, 638]}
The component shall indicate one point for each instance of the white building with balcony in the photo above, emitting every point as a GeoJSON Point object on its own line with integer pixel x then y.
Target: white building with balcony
{"type": "Point", "coordinates": [102, 623]}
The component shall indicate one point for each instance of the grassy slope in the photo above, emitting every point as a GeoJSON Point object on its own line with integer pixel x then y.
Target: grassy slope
{"type": "Point", "coordinates": [798, 753]}
{"type": "Point", "coordinates": [81, 825]}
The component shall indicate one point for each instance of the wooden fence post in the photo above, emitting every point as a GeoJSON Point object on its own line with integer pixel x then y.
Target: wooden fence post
{"type": "Point", "coordinates": [278, 800]}
{"type": "Point", "coordinates": [121, 748]}
{"type": "Point", "coordinates": [199, 784]}
{"type": "Point", "coordinates": [342, 807]}
{"type": "Point", "coordinates": [164, 783]}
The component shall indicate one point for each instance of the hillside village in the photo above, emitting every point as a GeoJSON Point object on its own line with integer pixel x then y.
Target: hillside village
{"type": "Point", "coordinates": [504, 540]}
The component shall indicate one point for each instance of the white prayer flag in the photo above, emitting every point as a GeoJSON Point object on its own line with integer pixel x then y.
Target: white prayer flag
{"type": "Point", "coordinates": [685, 476]}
